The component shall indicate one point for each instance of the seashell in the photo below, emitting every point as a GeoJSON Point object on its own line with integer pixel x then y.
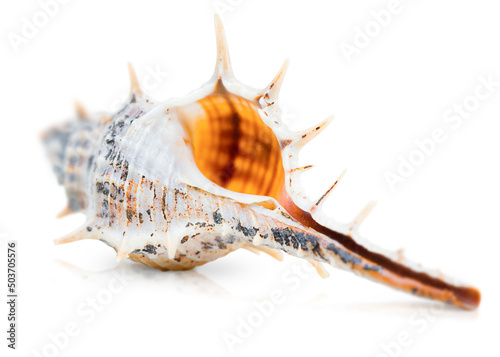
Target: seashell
{"type": "Point", "coordinates": [177, 184]}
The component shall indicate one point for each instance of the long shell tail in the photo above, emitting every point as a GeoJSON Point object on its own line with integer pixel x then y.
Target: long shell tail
{"type": "Point", "coordinates": [397, 275]}
{"type": "Point", "coordinates": [341, 250]}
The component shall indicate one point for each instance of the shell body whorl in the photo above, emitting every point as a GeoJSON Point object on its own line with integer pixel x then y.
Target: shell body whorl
{"type": "Point", "coordinates": [177, 184]}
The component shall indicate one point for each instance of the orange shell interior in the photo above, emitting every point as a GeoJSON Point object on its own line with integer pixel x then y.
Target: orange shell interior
{"type": "Point", "coordinates": [233, 147]}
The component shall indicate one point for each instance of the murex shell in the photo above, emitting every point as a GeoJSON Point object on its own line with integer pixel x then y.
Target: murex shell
{"type": "Point", "coordinates": [180, 183]}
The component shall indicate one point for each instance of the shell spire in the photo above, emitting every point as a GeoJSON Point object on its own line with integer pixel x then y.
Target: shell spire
{"type": "Point", "coordinates": [223, 66]}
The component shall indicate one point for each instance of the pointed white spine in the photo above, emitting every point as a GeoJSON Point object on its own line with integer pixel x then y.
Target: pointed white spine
{"type": "Point", "coordinates": [223, 66]}
{"type": "Point", "coordinates": [135, 88]}
{"type": "Point", "coordinates": [319, 204]}
{"type": "Point", "coordinates": [319, 268]}
{"type": "Point", "coordinates": [122, 252]}
{"type": "Point", "coordinates": [70, 238]}
{"type": "Point", "coordinates": [307, 135]}
{"type": "Point", "coordinates": [361, 216]}
{"type": "Point", "coordinates": [65, 212]}
{"type": "Point", "coordinates": [274, 253]}
{"type": "Point", "coordinates": [81, 111]}
{"type": "Point", "coordinates": [299, 170]}
{"type": "Point", "coordinates": [79, 234]}
{"type": "Point", "coordinates": [105, 119]}
{"type": "Point", "coordinates": [293, 142]}
{"type": "Point", "coordinates": [271, 93]}
{"type": "Point", "coordinates": [172, 243]}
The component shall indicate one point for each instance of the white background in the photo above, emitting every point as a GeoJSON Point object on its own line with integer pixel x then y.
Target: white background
{"type": "Point", "coordinates": [395, 91]}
